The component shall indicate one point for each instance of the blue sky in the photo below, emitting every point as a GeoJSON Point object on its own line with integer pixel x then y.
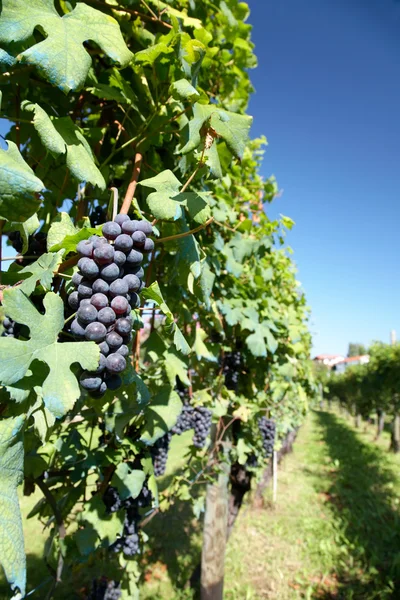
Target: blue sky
{"type": "Point", "coordinates": [328, 100]}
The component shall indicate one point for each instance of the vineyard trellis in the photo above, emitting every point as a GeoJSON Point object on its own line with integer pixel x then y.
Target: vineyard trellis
{"type": "Point", "coordinates": [205, 330]}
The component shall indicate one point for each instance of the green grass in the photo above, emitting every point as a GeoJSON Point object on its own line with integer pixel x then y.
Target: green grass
{"type": "Point", "coordinates": [334, 531]}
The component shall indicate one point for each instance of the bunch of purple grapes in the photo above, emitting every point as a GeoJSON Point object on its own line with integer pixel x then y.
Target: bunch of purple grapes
{"type": "Point", "coordinates": [198, 418]}
{"type": "Point", "coordinates": [103, 589]}
{"type": "Point", "coordinates": [9, 327]}
{"type": "Point", "coordinates": [231, 368]}
{"type": "Point", "coordinates": [108, 282]}
{"type": "Point", "coordinates": [267, 430]}
{"type": "Point", "coordinates": [159, 454]}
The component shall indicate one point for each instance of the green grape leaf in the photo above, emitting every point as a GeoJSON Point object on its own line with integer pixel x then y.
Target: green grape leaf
{"type": "Point", "coordinates": [231, 127]}
{"type": "Point", "coordinates": [205, 283]}
{"type": "Point", "coordinates": [26, 229]}
{"type": "Point", "coordinates": [161, 202]}
{"type": "Point", "coordinates": [150, 55]}
{"type": "Point", "coordinates": [17, 355]}
{"type": "Point", "coordinates": [106, 525]}
{"type": "Point", "coordinates": [197, 205]}
{"type": "Point", "coordinates": [153, 293]}
{"type": "Point", "coordinates": [61, 227]}
{"type": "Point", "coordinates": [161, 415]}
{"type": "Point", "coordinates": [60, 135]}
{"type": "Point", "coordinates": [128, 482]}
{"type": "Point", "coordinates": [42, 270]}
{"type": "Point", "coordinates": [200, 348]}
{"type": "Point", "coordinates": [256, 343]}
{"type": "Point", "coordinates": [179, 14]}
{"type": "Point", "coordinates": [175, 367]}
{"type": "Point", "coordinates": [183, 90]}
{"type": "Point", "coordinates": [61, 58]}
{"type": "Point", "coordinates": [12, 553]}
{"type": "Point", "coordinates": [18, 186]}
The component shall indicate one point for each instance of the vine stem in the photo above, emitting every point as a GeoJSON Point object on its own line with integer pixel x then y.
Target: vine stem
{"type": "Point", "coordinates": [69, 318]}
{"type": "Point", "coordinates": [186, 233]}
{"type": "Point", "coordinates": [115, 202]}
{"type": "Point", "coordinates": [17, 256]}
{"type": "Point", "coordinates": [130, 192]}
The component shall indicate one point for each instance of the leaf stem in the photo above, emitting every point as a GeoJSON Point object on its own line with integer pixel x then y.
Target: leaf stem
{"type": "Point", "coordinates": [181, 235]}
{"type": "Point", "coordinates": [69, 318]}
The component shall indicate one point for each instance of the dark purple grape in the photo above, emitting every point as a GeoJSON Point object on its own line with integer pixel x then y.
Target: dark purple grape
{"type": "Point", "coordinates": [84, 301]}
{"type": "Point", "coordinates": [100, 392]}
{"type": "Point", "coordinates": [95, 332]}
{"type": "Point", "coordinates": [121, 219]}
{"type": "Point", "coordinates": [102, 364]}
{"type": "Point", "coordinates": [100, 286]}
{"type": "Point", "coordinates": [73, 301]}
{"type": "Point", "coordinates": [134, 258]}
{"type": "Point", "coordinates": [85, 248]}
{"type": "Point", "coordinates": [138, 238]}
{"type": "Point", "coordinates": [119, 258]}
{"type": "Point", "coordinates": [98, 241]}
{"type": "Point", "coordinates": [142, 285]}
{"type": "Point", "coordinates": [138, 271]}
{"type": "Point", "coordinates": [123, 242]}
{"type": "Point", "coordinates": [111, 230]}
{"type": "Point", "coordinates": [104, 348]}
{"type": "Point", "coordinates": [104, 254]}
{"type": "Point", "coordinates": [110, 272]}
{"type": "Point", "coordinates": [128, 338]}
{"type": "Point", "coordinates": [116, 363]}
{"type": "Point", "coordinates": [119, 287]}
{"type": "Point", "coordinates": [133, 282]}
{"type": "Point", "coordinates": [76, 278]}
{"type": "Point", "coordinates": [123, 350]}
{"type": "Point", "coordinates": [114, 340]}
{"type": "Point", "coordinates": [85, 289]}
{"type": "Point", "coordinates": [99, 301]}
{"type": "Point", "coordinates": [145, 226]}
{"type": "Point", "coordinates": [129, 227]}
{"type": "Point", "coordinates": [123, 326]}
{"type": "Point", "coordinates": [106, 316]}
{"type": "Point", "coordinates": [77, 329]}
{"type": "Point", "coordinates": [148, 245]}
{"type": "Point", "coordinates": [87, 314]}
{"type": "Point", "coordinates": [134, 300]}
{"type": "Point", "coordinates": [88, 267]}
{"type": "Point", "coordinates": [120, 305]}
{"type": "Point", "coordinates": [90, 381]}
{"type": "Point", "coordinates": [113, 382]}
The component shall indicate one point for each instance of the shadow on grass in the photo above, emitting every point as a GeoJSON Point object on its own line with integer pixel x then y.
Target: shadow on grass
{"type": "Point", "coordinates": [362, 497]}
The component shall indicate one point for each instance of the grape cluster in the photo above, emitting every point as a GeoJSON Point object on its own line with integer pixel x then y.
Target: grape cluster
{"type": "Point", "coordinates": [184, 421]}
{"type": "Point", "coordinates": [112, 500]}
{"type": "Point", "coordinates": [197, 418]}
{"type": "Point", "coordinates": [267, 429]}
{"type": "Point", "coordinates": [103, 589]}
{"type": "Point", "coordinates": [231, 367]}
{"type": "Point", "coordinates": [159, 454]}
{"type": "Point", "coordinates": [129, 542]}
{"type": "Point", "coordinates": [36, 244]}
{"type": "Point", "coordinates": [97, 216]}
{"type": "Point", "coordinates": [107, 284]}
{"type": "Point", "coordinates": [9, 327]}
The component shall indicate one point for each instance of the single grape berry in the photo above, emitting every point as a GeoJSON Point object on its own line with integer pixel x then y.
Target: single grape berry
{"type": "Point", "coordinates": [110, 272]}
{"type": "Point", "coordinates": [134, 300]}
{"type": "Point", "coordinates": [129, 227]}
{"type": "Point", "coordinates": [123, 242]}
{"type": "Point", "coordinates": [123, 326]}
{"type": "Point", "coordinates": [145, 226]}
{"type": "Point", "coordinates": [77, 329]}
{"type": "Point", "coordinates": [88, 268]}
{"type": "Point", "coordinates": [85, 289]}
{"type": "Point", "coordinates": [76, 278]}
{"type": "Point", "coordinates": [116, 363]}
{"type": "Point", "coordinates": [85, 248]}
{"type": "Point", "coordinates": [113, 382]}
{"type": "Point", "coordinates": [134, 258]}
{"type": "Point", "coordinates": [104, 348]}
{"type": "Point", "coordinates": [114, 340]}
{"type": "Point", "coordinates": [97, 240]}
{"type": "Point", "coordinates": [138, 238]}
{"type": "Point", "coordinates": [106, 316]}
{"type": "Point", "coordinates": [104, 254]}
{"type": "Point", "coordinates": [100, 286]}
{"type": "Point", "coordinates": [120, 305]}
{"type": "Point", "coordinates": [87, 313]}
{"type": "Point", "coordinates": [73, 300]}
{"type": "Point", "coordinates": [111, 230]}
{"type": "Point", "coordinates": [102, 364]}
{"type": "Point", "coordinates": [133, 282]}
{"type": "Point", "coordinates": [119, 287]}
{"type": "Point", "coordinates": [99, 301]}
{"type": "Point", "coordinates": [138, 271]}
{"type": "Point", "coordinates": [121, 219]}
{"type": "Point", "coordinates": [95, 332]}
{"type": "Point", "coordinates": [90, 381]}
{"type": "Point", "coordinates": [119, 258]}
{"type": "Point", "coordinates": [123, 350]}
{"type": "Point", "coordinates": [148, 245]}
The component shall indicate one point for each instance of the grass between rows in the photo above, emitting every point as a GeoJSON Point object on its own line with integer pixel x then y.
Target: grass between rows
{"type": "Point", "coordinates": [333, 532]}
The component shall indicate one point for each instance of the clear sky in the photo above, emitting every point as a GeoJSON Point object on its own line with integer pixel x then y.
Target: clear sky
{"type": "Point", "coordinates": [328, 100]}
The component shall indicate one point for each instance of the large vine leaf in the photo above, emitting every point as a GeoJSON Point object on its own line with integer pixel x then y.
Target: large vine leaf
{"type": "Point", "coordinates": [18, 186]}
{"type": "Point", "coordinates": [60, 386]}
{"type": "Point", "coordinates": [62, 136]}
{"type": "Point", "coordinates": [231, 127]}
{"type": "Point", "coordinates": [41, 270]}
{"type": "Point", "coordinates": [12, 553]}
{"type": "Point", "coordinates": [61, 57]}
{"type": "Point", "coordinates": [161, 415]}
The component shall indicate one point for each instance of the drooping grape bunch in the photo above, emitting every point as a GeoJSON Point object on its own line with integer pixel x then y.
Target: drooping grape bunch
{"type": "Point", "coordinates": [103, 589]}
{"type": "Point", "coordinates": [198, 418]}
{"type": "Point", "coordinates": [107, 287]}
{"type": "Point", "coordinates": [267, 430]}
{"type": "Point", "coordinates": [231, 369]}
{"type": "Point", "coordinates": [36, 245]}
{"type": "Point", "coordinates": [159, 454]}
{"type": "Point", "coordinates": [184, 421]}
{"type": "Point", "coordinates": [9, 327]}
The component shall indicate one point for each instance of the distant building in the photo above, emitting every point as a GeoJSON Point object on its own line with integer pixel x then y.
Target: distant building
{"type": "Point", "coordinates": [329, 359]}
{"type": "Point", "coordinates": [342, 365]}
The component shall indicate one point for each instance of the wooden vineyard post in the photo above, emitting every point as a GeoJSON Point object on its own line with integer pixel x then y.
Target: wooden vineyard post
{"type": "Point", "coordinates": [274, 475]}
{"type": "Point", "coordinates": [214, 539]}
